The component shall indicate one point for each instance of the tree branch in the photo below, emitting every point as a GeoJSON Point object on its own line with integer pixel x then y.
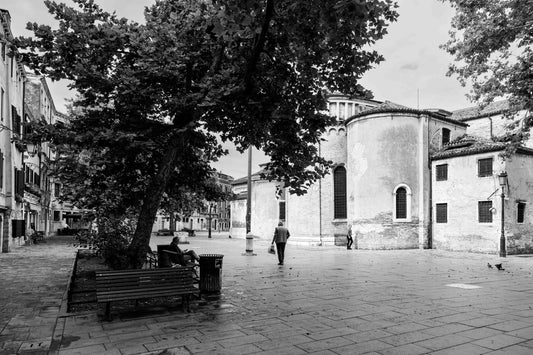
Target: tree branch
{"type": "Point", "coordinates": [259, 44]}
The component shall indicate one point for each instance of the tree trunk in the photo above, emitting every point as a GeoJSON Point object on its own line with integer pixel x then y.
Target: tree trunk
{"type": "Point", "coordinates": [141, 238]}
{"type": "Point", "coordinates": [172, 226]}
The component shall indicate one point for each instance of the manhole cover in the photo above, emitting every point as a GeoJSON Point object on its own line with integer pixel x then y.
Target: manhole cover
{"type": "Point", "coordinates": [465, 286]}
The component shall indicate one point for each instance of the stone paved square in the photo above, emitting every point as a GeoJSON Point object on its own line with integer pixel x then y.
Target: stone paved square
{"type": "Point", "coordinates": [324, 300]}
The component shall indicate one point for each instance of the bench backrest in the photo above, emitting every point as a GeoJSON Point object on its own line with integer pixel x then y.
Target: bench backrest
{"type": "Point", "coordinates": [146, 279]}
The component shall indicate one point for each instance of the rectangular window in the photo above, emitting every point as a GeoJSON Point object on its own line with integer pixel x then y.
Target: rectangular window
{"type": "Point", "coordinates": [2, 94]}
{"type": "Point", "coordinates": [485, 211]}
{"type": "Point", "coordinates": [342, 110]}
{"type": "Point", "coordinates": [57, 190]}
{"type": "Point", "coordinates": [442, 172]}
{"type": "Point", "coordinates": [521, 209]}
{"type": "Point", "coordinates": [484, 167]}
{"type": "Point", "coordinates": [282, 210]}
{"type": "Point", "coordinates": [1, 170]}
{"type": "Point", "coordinates": [442, 212]}
{"type": "Point", "coordinates": [445, 136]}
{"type": "Point", "coordinates": [333, 109]}
{"type": "Point", "coordinates": [3, 51]}
{"type": "Point", "coordinates": [57, 216]}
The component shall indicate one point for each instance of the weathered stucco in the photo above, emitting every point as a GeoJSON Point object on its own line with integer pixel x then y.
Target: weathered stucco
{"type": "Point", "coordinates": [519, 235]}
{"type": "Point", "coordinates": [383, 152]}
{"type": "Point", "coordinates": [462, 191]}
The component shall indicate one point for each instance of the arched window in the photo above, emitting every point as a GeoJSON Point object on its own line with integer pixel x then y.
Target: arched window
{"type": "Point", "coordinates": [445, 136]}
{"type": "Point", "coordinates": [339, 193]}
{"type": "Point", "coordinates": [402, 204]}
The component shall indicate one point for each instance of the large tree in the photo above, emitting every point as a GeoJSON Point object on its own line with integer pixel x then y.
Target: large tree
{"type": "Point", "coordinates": [491, 41]}
{"type": "Point", "coordinates": [251, 72]}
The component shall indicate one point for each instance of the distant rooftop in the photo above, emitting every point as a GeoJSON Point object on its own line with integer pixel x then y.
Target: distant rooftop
{"type": "Point", "coordinates": [474, 112]}
{"type": "Point", "coordinates": [392, 107]}
{"type": "Point", "coordinates": [469, 145]}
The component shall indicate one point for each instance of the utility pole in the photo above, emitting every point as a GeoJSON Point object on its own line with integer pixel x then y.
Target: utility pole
{"type": "Point", "coordinates": [249, 192]}
{"type": "Point", "coordinates": [249, 236]}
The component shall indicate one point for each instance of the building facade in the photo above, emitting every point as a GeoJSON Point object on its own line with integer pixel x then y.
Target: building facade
{"type": "Point", "coordinates": [215, 213]}
{"type": "Point", "coordinates": [28, 195]}
{"type": "Point", "coordinates": [383, 186]}
{"type": "Point", "coordinates": [12, 81]}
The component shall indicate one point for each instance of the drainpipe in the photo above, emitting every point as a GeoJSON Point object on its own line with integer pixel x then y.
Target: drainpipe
{"type": "Point", "coordinates": [421, 168]}
{"type": "Point", "coordinates": [430, 194]}
{"type": "Point", "coordinates": [320, 199]}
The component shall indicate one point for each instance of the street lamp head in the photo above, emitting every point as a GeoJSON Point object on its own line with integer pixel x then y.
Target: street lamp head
{"type": "Point", "coordinates": [32, 148]}
{"type": "Point", "coordinates": [502, 178]}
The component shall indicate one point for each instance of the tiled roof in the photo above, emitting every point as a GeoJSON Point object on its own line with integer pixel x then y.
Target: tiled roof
{"type": "Point", "coordinates": [391, 107]}
{"type": "Point", "coordinates": [244, 180]}
{"type": "Point", "coordinates": [474, 112]}
{"type": "Point", "coordinates": [468, 145]}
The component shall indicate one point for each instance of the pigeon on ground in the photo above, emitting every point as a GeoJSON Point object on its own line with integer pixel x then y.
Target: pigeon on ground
{"type": "Point", "coordinates": [499, 267]}
{"type": "Point", "coordinates": [489, 265]}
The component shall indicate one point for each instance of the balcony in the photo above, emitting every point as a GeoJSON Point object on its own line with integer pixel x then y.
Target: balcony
{"type": "Point", "coordinates": [33, 189]}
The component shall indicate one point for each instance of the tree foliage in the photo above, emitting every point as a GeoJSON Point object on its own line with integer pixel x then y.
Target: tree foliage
{"type": "Point", "coordinates": [155, 95]}
{"type": "Point", "coordinates": [491, 41]}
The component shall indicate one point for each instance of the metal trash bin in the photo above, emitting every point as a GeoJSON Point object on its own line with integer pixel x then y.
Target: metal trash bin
{"type": "Point", "coordinates": [210, 272]}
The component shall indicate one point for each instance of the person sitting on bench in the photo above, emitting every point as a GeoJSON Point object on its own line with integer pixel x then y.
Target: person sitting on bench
{"type": "Point", "coordinates": [181, 257]}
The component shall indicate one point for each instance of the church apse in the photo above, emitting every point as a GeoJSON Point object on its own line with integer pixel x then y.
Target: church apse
{"type": "Point", "coordinates": [383, 181]}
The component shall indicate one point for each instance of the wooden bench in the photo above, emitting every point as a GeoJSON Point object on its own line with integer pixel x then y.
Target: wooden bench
{"type": "Point", "coordinates": [135, 284]}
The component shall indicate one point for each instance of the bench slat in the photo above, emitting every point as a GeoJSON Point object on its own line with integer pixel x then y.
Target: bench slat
{"type": "Point", "coordinates": [125, 291]}
{"type": "Point", "coordinates": [118, 285]}
{"type": "Point", "coordinates": [139, 295]}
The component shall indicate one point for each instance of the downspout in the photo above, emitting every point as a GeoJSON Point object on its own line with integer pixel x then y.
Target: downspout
{"type": "Point", "coordinates": [430, 194]}
{"type": "Point", "coordinates": [320, 199]}
{"type": "Point", "coordinates": [421, 168]}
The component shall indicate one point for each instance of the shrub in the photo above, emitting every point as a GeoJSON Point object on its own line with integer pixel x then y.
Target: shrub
{"type": "Point", "coordinates": [112, 240]}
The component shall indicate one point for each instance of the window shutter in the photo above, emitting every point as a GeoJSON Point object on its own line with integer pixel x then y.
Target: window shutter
{"type": "Point", "coordinates": [484, 167]}
{"type": "Point", "coordinates": [521, 212]}
{"type": "Point", "coordinates": [339, 192]}
{"type": "Point", "coordinates": [484, 212]}
{"type": "Point", "coordinates": [282, 210]}
{"type": "Point", "coordinates": [442, 172]}
{"type": "Point", "coordinates": [442, 213]}
{"type": "Point", "coordinates": [1, 170]}
{"type": "Point", "coordinates": [445, 136]}
{"type": "Point", "coordinates": [401, 203]}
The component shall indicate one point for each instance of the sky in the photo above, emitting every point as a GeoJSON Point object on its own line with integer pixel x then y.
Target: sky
{"type": "Point", "coordinates": [413, 73]}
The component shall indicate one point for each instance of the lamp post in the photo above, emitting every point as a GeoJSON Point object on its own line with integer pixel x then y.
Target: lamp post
{"type": "Point", "coordinates": [503, 181]}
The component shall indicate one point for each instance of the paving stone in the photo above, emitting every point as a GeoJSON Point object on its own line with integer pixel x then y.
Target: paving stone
{"type": "Point", "coordinates": [443, 342]}
{"type": "Point", "coordinates": [361, 337]}
{"type": "Point", "coordinates": [510, 325]}
{"type": "Point", "coordinates": [361, 348]}
{"type": "Point", "coordinates": [446, 329]}
{"type": "Point", "coordinates": [480, 333]}
{"type": "Point", "coordinates": [406, 338]}
{"type": "Point", "coordinates": [499, 341]}
{"type": "Point", "coordinates": [514, 350]}
{"type": "Point", "coordinates": [359, 302]}
{"type": "Point", "coordinates": [325, 344]}
{"type": "Point", "coordinates": [407, 349]}
{"type": "Point", "coordinates": [463, 349]}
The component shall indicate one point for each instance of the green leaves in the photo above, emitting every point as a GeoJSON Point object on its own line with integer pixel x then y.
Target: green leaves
{"type": "Point", "coordinates": [491, 42]}
{"type": "Point", "coordinates": [248, 71]}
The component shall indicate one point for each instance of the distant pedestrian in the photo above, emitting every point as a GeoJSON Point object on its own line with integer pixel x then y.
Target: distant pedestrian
{"type": "Point", "coordinates": [349, 239]}
{"type": "Point", "coordinates": [281, 234]}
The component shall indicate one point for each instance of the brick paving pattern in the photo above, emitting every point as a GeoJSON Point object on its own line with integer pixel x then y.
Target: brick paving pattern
{"type": "Point", "coordinates": [324, 300]}
{"type": "Point", "coordinates": [33, 280]}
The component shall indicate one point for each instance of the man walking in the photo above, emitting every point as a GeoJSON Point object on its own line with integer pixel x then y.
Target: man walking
{"type": "Point", "coordinates": [281, 234]}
